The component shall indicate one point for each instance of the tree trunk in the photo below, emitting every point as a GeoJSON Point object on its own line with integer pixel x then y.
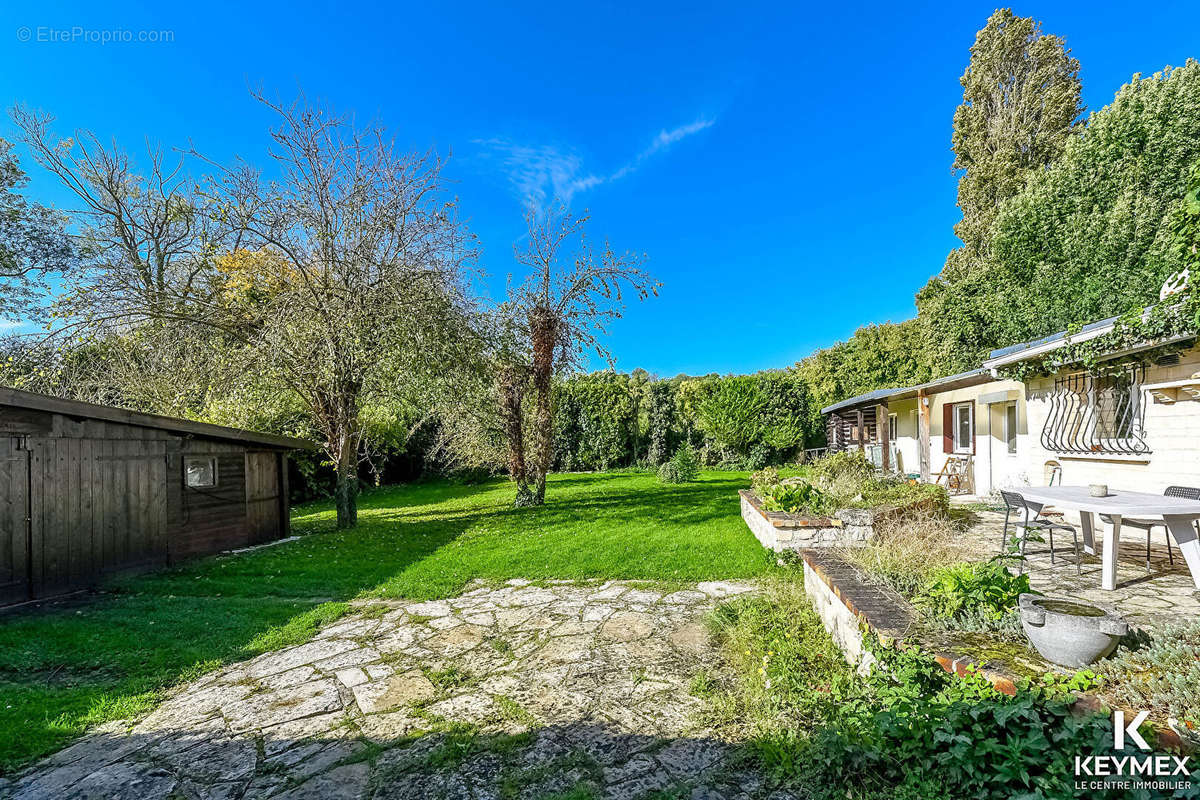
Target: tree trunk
{"type": "Point", "coordinates": [544, 329]}
{"type": "Point", "coordinates": [346, 489]}
{"type": "Point", "coordinates": [510, 386]}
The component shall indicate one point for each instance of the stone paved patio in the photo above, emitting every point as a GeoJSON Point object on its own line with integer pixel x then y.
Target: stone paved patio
{"type": "Point", "coordinates": [519, 691]}
{"type": "Point", "coordinates": [1151, 599]}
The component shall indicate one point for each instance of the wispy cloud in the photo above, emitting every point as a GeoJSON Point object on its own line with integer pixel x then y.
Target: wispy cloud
{"type": "Point", "coordinates": [542, 172]}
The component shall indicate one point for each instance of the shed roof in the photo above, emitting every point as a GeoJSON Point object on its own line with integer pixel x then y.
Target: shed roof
{"type": "Point", "coordinates": [947, 384]}
{"type": "Point", "coordinates": [75, 408]}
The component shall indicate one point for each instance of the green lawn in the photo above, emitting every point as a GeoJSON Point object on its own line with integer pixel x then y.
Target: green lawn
{"type": "Point", "coordinates": [111, 656]}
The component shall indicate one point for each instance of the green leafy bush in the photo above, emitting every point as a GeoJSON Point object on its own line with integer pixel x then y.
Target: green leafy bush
{"type": "Point", "coordinates": [797, 496]}
{"type": "Point", "coordinates": [843, 464]}
{"type": "Point", "coordinates": [763, 479]}
{"type": "Point", "coordinates": [987, 589]}
{"type": "Point", "coordinates": [669, 473]}
{"type": "Point", "coordinates": [906, 731]}
{"type": "Point", "coordinates": [890, 490]}
{"type": "Point", "coordinates": [684, 466]}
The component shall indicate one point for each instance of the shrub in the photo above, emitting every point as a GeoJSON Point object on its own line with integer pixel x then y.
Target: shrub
{"type": "Point", "coordinates": [987, 589]}
{"type": "Point", "coordinates": [686, 461]}
{"type": "Point", "coordinates": [684, 466]}
{"type": "Point", "coordinates": [844, 464]}
{"type": "Point", "coordinates": [763, 479]}
{"type": "Point", "coordinates": [906, 550]}
{"type": "Point", "coordinates": [908, 730]}
{"type": "Point", "coordinates": [669, 473]}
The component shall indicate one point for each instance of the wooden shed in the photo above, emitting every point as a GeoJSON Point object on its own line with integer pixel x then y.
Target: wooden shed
{"type": "Point", "coordinates": [89, 490]}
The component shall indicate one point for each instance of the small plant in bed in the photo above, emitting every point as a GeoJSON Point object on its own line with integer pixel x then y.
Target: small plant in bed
{"type": "Point", "coordinates": [798, 496]}
{"type": "Point", "coordinates": [985, 589]}
{"type": "Point", "coordinates": [842, 480]}
{"type": "Point", "coordinates": [1161, 674]}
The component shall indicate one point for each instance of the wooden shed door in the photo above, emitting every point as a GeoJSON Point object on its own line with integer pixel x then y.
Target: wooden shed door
{"type": "Point", "coordinates": [14, 521]}
{"type": "Point", "coordinates": [262, 497]}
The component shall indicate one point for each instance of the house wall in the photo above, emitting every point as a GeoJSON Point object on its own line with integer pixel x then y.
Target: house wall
{"type": "Point", "coordinates": [1172, 432]}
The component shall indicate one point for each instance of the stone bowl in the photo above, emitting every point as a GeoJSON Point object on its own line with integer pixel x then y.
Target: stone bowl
{"type": "Point", "coordinates": [1069, 633]}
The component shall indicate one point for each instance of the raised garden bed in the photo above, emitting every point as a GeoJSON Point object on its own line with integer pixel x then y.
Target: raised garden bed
{"type": "Point", "coordinates": [779, 531]}
{"type": "Point", "coordinates": [851, 605]}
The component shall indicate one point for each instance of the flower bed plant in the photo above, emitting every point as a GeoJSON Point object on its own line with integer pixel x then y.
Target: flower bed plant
{"type": "Point", "coordinates": [838, 481]}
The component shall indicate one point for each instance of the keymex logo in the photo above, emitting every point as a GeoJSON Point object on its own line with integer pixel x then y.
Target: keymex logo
{"type": "Point", "coordinates": [1138, 771]}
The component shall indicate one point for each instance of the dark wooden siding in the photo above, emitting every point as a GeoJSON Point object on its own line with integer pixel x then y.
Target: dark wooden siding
{"type": "Point", "coordinates": [81, 498]}
{"type": "Point", "coordinates": [14, 528]}
{"type": "Point", "coordinates": [214, 518]}
{"type": "Point", "coordinates": [263, 496]}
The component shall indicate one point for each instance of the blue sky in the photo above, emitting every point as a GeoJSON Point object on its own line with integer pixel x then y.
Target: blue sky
{"type": "Point", "coordinates": [786, 167]}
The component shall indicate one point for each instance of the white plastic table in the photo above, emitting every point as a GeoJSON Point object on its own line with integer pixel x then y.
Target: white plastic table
{"type": "Point", "coordinates": [1177, 514]}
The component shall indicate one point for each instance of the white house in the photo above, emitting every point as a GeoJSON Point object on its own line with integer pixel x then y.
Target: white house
{"type": "Point", "coordinates": [973, 420]}
{"type": "Point", "coordinates": [1132, 422]}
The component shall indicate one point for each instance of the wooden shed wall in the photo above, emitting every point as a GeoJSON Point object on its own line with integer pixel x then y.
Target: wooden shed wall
{"type": "Point", "coordinates": [84, 498]}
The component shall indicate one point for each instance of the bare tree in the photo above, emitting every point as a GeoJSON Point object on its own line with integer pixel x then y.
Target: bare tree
{"type": "Point", "coordinates": [145, 240]}
{"type": "Point", "coordinates": [560, 311]}
{"type": "Point", "coordinates": [342, 279]}
{"type": "Point", "coordinates": [358, 292]}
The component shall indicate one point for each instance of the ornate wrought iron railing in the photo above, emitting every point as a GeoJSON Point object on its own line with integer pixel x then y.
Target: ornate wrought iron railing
{"type": "Point", "coordinates": [1097, 414]}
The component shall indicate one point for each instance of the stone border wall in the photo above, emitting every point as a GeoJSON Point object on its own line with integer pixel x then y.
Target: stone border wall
{"type": "Point", "coordinates": [778, 531]}
{"type": "Point", "coordinates": [850, 605]}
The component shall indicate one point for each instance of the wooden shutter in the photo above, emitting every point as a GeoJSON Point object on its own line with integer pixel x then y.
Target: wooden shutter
{"type": "Point", "coordinates": [948, 428]}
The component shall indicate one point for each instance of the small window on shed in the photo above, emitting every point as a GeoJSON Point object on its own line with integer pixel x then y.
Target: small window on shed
{"type": "Point", "coordinates": [200, 473]}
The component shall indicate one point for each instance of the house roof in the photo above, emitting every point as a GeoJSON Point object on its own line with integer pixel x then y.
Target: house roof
{"type": "Point", "coordinates": [1024, 350]}
{"type": "Point", "coordinates": [1038, 347]}
{"type": "Point", "coordinates": [75, 408]}
{"type": "Point", "coordinates": [947, 384]}
{"type": "Point", "coordinates": [862, 399]}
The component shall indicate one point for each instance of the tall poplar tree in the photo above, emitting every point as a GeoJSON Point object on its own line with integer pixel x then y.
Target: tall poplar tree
{"type": "Point", "coordinates": [1021, 102]}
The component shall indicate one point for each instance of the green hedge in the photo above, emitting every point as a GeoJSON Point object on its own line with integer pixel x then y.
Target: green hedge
{"type": "Point", "coordinates": [607, 419]}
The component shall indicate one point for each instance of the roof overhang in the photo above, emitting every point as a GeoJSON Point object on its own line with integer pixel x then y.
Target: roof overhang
{"type": "Point", "coordinates": [1035, 349]}
{"type": "Point", "coordinates": [949, 383]}
{"type": "Point", "coordinates": [75, 408]}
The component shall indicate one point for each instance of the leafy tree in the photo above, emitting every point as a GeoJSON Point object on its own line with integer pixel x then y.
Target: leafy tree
{"type": "Point", "coordinates": [1021, 101]}
{"type": "Point", "coordinates": [660, 412]}
{"type": "Point", "coordinates": [33, 241]}
{"type": "Point", "coordinates": [1094, 234]}
{"type": "Point", "coordinates": [353, 296]}
{"type": "Point", "coordinates": [339, 284]}
{"type": "Point", "coordinates": [1185, 225]}
{"type": "Point", "coordinates": [875, 357]}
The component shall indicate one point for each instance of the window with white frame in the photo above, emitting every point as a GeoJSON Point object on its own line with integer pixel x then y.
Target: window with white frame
{"type": "Point", "coordinates": [200, 473]}
{"type": "Point", "coordinates": [964, 427]}
{"type": "Point", "coordinates": [893, 427]}
{"type": "Point", "coordinates": [1010, 427]}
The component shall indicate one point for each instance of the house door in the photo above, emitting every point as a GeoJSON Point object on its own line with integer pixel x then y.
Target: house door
{"type": "Point", "coordinates": [263, 499]}
{"type": "Point", "coordinates": [14, 520]}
